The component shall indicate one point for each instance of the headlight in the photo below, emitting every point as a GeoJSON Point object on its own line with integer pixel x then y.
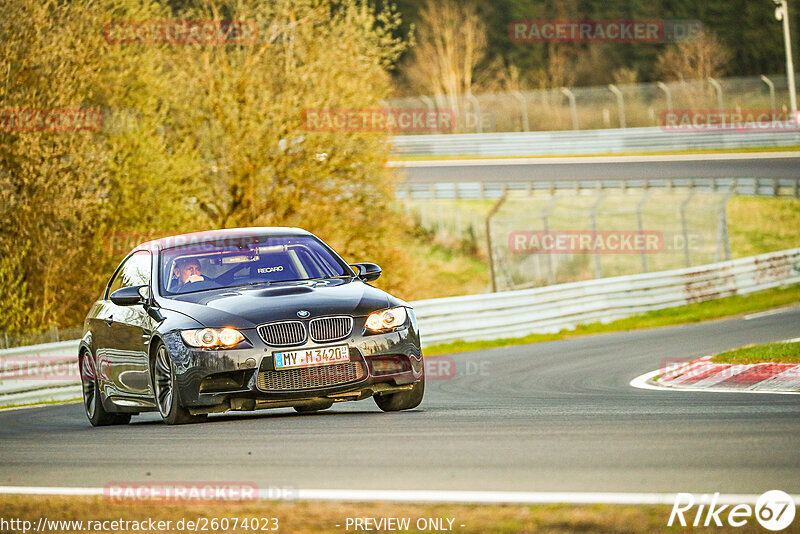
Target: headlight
{"type": "Point", "coordinates": [212, 337]}
{"type": "Point", "coordinates": [387, 320]}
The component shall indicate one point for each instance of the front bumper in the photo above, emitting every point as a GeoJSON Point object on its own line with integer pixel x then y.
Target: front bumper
{"type": "Point", "coordinates": [212, 381]}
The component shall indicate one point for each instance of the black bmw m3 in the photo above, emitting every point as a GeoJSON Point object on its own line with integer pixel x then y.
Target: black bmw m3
{"type": "Point", "coordinates": [245, 319]}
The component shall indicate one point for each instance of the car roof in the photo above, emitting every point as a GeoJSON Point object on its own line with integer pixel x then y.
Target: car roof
{"type": "Point", "coordinates": [223, 234]}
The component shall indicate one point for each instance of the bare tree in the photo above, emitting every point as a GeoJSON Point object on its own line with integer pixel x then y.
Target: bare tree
{"type": "Point", "coordinates": [692, 63]}
{"type": "Point", "coordinates": [560, 69]}
{"type": "Point", "coordinates": [694, 59]}
{"type": "Point", "coordinates": [625, 76]}
{"type": "Point", "coordinates": [451, 40]}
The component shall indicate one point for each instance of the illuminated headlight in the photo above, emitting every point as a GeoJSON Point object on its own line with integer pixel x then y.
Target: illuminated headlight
{"type": "Point", "coordinates": [386, 320]}
{"type": "Point", "coordinates": [212, 337]}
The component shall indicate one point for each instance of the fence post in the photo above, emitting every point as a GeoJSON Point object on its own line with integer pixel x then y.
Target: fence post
{"type": "Point", "coordinates": [620, 104]}
{"type": "Point", "coordinates": [551, 258]}
{"type": "Point", "coordinates": [606, 118]}
{"type": "Point", "coordinates": [491, 214]}
{"type": "Point", "coordinates": [598, 271]}
{"type": "Point", "coordinates": [667, 92]}
{"type": "Point", "coordinates": [428, 101]}
{"type": "Point", "coordinates": [718, 90]}
{"type": "Point", "coordinates": [477, 109]}
{"type": "Point", "coordinates": [684, 229]}
{"type": "Point", "coordinates": [771, 93]}
{"type": "Point", "coordinates": [723, 239]}
{"type": "Point", "coordinates": [526, 127]}
{"type": "Point", "coordinates": [640, 224]}
{"type": "Point", "coordinates": [573, 107]}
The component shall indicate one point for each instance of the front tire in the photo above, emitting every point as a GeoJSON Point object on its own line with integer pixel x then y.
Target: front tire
{"type": "Point", "coordinates": [404, 400]}
{"type": "Point", "coordinates": [92, 403]}
{"type": "Point", "coordinates": [167, 395]}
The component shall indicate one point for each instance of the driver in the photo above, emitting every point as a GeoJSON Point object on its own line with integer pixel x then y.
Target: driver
{"type": "Point", "coordinates": [187, 271]}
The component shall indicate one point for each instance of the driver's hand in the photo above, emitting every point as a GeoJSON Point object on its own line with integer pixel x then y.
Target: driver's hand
{"type": "Point", "coordinates": [195, 278]}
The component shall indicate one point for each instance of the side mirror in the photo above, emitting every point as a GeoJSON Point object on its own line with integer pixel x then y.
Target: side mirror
{"type": "Point", "coordinates": [130, 296]}
{"type": "Point", "coordinates": [367, 271]}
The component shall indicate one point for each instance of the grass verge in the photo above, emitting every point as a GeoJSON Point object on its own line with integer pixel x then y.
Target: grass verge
{"type": "Point", "coordinates": [692, 313]}
{"type": "Point", "coordinates": [444, 272]}
{"type": "Point", "coordinates": [764, 353]}
{"type": "Point", "coordinates": [758, 225]}
{"type": "Point", "coordinates": [322, 517]}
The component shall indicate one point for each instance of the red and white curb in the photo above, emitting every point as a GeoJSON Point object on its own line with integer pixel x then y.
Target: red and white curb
{"type": "Point", "coordinates": [704, 375]}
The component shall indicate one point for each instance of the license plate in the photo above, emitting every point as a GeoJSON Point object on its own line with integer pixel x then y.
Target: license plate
{"type": "Point", "coordinates": [312, 357]}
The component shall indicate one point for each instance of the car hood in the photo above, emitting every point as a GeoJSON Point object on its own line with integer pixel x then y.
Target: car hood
{"type": "Point", "coordinates": [247, 307]}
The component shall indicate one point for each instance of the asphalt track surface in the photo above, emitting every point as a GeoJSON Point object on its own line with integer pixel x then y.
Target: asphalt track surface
{"type": "Point", "coordinates": [602, 168]}
{"type": "Point", "coordinates": [556, 416]}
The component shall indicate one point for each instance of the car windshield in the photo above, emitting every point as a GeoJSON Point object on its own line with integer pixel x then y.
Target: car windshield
{"type": "Point", "coordinates": [252, 260]}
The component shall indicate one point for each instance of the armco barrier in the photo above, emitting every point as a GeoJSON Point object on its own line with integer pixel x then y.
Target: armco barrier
{"type": "Point", "coordinates": [39, 373]}
{"type": "Point", "coordinates": [554, 308]}
{"type": "Point", "coordinates": [507, 314]}
{"type": "Point", "coordinates": [611, 141]}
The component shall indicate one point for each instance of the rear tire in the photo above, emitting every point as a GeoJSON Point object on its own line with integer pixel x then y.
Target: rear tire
{"type": "Point", "coordinates": [312, 408]}
{"type": "Point", "coordinates": [404, 400]}
{"type": "Point", "coordinates": [92, 403]}
{"type": "Point", "coordinates": [167, 395]}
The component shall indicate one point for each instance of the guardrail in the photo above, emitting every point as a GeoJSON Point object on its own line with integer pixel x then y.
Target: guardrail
{"type": "Point", "coordinates": [474, 317]}
{"type": "Point", "coordinates": [39, 373]}
{"type": "Point", "coordinates": [555, 308]}
{"type": "Point", "coordinates": [609, 141]}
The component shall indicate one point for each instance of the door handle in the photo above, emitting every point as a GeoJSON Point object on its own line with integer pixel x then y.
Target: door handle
{"type": "Point", "coordinates": [110, 320]}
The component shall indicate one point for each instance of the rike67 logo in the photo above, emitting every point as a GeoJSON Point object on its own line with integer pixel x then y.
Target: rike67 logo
{"type": "Point", "coordinates": [774, 510]}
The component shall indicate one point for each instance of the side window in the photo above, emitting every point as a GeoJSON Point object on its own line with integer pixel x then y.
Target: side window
{"type": "Point", "coordinates": [135, 271]}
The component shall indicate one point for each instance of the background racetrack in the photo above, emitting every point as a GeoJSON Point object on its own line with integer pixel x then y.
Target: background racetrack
{"type": "Point", "coordinates": [557, 416]}
{"type": "Point", "coordinates": [783, 165]}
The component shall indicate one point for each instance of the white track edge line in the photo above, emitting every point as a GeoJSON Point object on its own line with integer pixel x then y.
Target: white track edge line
{"type": "Point", "coordinates": [768, 313]}
{"type": "Point", "coordinates": [439, 496]}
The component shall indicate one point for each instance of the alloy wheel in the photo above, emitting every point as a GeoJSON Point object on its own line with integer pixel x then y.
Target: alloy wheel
{"type": "Point", "coordinates": [88, 376]}
{"type": "Point", "coordinates": [163, 381]}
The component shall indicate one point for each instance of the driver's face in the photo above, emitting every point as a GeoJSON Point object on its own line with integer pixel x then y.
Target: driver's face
{"type": "Point", "coordinates": [189, 269]}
